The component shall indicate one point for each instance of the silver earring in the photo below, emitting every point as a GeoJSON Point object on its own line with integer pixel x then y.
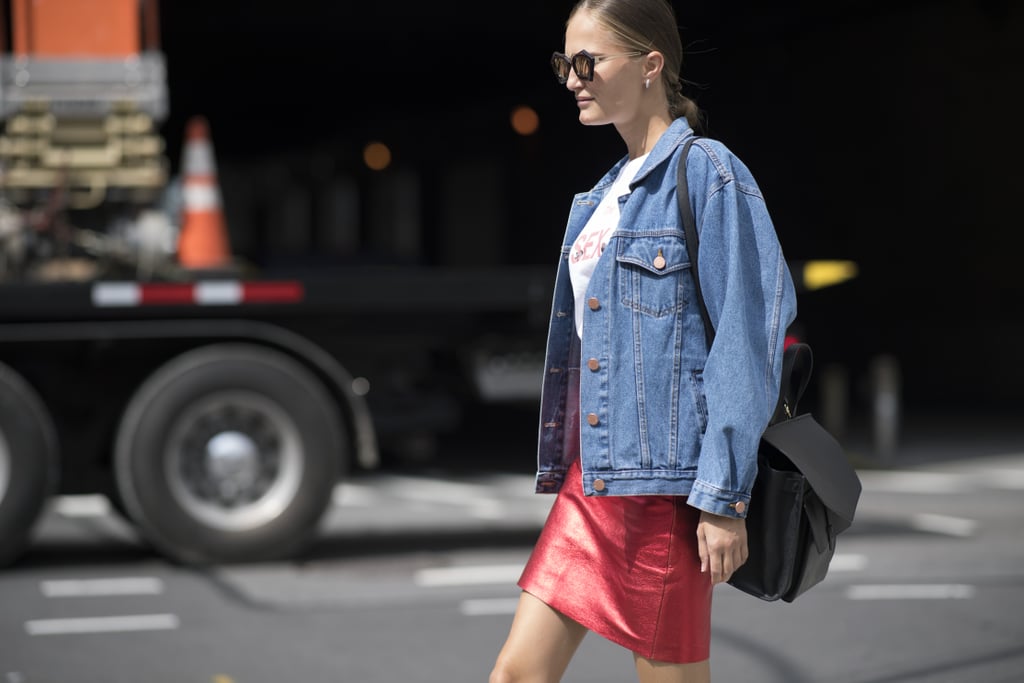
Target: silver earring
{"type": "Point", "coordinates": [647, 84]}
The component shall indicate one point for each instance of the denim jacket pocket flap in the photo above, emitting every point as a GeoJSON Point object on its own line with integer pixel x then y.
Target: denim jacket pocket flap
{"type": "Point", "coordinates": [659, 254]}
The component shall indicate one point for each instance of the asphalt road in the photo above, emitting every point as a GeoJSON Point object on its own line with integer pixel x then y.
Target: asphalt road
{"type": "Point", "coordinates": [413, 581]}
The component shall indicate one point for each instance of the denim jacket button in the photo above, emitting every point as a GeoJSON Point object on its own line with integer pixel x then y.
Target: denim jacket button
{"type": "Point", "coordinates": [599, 484]}
{"type": "Point", "coordinates": [659, 262]}
{"type": "Point", "coordinates": [739, 506]}
{"type": "Point", "coordinates": [593, 303]}
{"type": "Point", "coordinates": [593, 419]}
{"type": "Point", "coordinates": [594, 364]}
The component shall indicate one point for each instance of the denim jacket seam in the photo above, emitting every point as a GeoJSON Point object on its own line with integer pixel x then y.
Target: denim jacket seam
{"type": "Point", "coordinates": [654, 232]}
{"type": "Point", "coordinates": [709, 488]}
{"type": "Point", "coordinates": [722, 169]}
{"type": "Point", "coordinates": [713, 191]}
{"type": "Point", "coordinates": [749, 190]}
{"type": "Point", "coordinates": [775, 325]}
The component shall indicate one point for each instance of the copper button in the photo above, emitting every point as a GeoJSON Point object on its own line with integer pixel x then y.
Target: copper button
{"type": "Point", "coordinates": [592, 419]}
{"type": "Point", "coordinates": [594, 364]}
{"type": "Point", "coordinates": [593, 303]}
{"type": "Point", "coordinates": [739, 506]}
{"type": "Point", "coordinates": [599, 484]}
{"type": "Point", "coordinates": [659, 262]}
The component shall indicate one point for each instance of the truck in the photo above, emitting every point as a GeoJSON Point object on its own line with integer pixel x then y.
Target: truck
{"type": "Point", "coordinates": [215, 403]}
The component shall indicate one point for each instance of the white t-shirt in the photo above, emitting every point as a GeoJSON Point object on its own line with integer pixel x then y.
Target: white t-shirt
{"type": "Point", "coordinates": [590, 244]}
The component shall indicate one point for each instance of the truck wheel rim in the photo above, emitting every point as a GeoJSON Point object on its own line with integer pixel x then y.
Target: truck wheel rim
{"type": "Point", "coordinates": [234, 460]}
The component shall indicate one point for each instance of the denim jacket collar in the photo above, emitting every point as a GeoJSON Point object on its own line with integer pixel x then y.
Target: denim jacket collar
{"type": "Point", "coordinates": [662, 151]}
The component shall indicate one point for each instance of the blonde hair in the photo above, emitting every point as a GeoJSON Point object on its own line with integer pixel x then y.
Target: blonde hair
{"type": "Point", "coordinates": [645, 26]}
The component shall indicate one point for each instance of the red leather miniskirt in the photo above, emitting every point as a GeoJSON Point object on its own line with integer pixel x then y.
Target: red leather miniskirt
{"type": "Point", "coordinates": [626, 568]}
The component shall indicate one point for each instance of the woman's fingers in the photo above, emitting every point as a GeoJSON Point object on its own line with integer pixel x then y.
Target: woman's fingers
{"type": "Point", "coordinates": [703, 550]}
{"type": "Point", "coordinates": [722, 544]}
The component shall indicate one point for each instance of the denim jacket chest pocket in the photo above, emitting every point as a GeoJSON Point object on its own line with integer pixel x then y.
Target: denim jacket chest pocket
{"type": "Point", "coordinates": [651, 271]}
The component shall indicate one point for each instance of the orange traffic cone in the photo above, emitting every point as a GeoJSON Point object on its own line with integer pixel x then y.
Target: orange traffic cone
{"type": "Point", "coordinates": [203, 239]}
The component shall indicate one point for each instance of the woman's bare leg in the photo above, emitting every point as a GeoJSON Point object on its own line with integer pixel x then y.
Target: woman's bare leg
{"type": "Point", "coordinates": [540, 644]}
{"type": "Point", "coordinates": [650, 671]}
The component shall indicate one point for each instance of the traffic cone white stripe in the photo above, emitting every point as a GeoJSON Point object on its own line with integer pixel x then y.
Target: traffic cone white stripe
{"type": "Point", "coordinates": [201, 197]}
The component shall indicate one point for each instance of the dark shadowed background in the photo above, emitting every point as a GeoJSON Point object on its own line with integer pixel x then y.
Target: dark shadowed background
{"type": "Point", "coordinates": [882, 132]}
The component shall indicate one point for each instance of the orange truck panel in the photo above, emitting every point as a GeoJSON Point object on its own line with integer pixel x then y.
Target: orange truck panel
{"type": "Point", "coordinates": [75, 28]}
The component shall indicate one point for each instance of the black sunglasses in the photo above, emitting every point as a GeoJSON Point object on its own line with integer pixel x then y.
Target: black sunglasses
{"type": "Point", "coordinates": [582, 63]}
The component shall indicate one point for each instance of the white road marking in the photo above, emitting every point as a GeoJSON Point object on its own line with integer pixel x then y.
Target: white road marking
{"type": "Point", "coordinates": [1006, 479]}
{"type": "Point", "coordinates": [133, 622]}
{"type": "Point", "coordinates": [921, 591]}
{"type": "Point", "coordinates": [483, 607]}
{"type": "Point", "coordinates": [943, 524]}
{"type": "Point", "coordinates": [985, 475]}
{"type": "Point", "coordinates": [848, 562]}
{"type": "Point", "coordinates": [75, 588]}
{"type": "Point", "coordinates": [354, 495]}
{"type": "Point", "coordinates": [468, 575]}
{"type": "Point", "coordinates": [439, 491]}
{"type": "Point", "coordinates": [480, 497]}
{"type": "Point", "coordinates": [912, 482]}
{"type": "Point", "coordinates": [82, 506]}
{"type": "Point", "coordinates": [487, 509]}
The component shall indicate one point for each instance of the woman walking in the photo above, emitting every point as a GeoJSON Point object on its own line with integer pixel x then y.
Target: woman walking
{"type": "Point", "coordinates": [648, 437]}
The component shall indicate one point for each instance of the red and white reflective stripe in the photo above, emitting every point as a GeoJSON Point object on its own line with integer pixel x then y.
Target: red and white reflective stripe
{"type": "Point", "coordinates": [203, 293]}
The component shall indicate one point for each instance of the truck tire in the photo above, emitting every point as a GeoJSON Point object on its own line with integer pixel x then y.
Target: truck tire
{"type": "Point", "coordinates": [229, 453]}
{"type": "Point", "coordinates": [28, 462]}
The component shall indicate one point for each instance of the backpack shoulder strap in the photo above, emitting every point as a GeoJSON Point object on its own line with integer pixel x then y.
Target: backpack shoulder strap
{"type": "Point", "coordinates": [690, 233]}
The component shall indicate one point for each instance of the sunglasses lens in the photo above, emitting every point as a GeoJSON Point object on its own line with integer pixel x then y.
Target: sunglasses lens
{"type": "Point", "coordinates": [560, 65]}
{"type": "Point", "coordinates": [583, 65]}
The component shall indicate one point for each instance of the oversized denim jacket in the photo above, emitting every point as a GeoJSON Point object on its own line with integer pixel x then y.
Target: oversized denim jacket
{"type": "Point", "coordinates": [660, 413]}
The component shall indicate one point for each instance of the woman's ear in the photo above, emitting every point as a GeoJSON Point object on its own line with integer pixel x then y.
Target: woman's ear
{"type": "Point", "coordinates": [653, 63]}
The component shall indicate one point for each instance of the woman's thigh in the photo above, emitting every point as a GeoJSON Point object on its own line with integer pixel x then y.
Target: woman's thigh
{"type": "Point", "coordinates": [540, 643]}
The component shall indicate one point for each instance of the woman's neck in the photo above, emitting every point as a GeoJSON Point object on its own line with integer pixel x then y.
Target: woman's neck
{"type": "Point", "coordinates": [641, 139]}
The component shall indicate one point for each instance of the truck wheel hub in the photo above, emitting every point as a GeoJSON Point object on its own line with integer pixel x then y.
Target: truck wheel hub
{"type": "Point", "coordinates": [235, 460]}
{"type": "Point", "coordinates": [232, 464]}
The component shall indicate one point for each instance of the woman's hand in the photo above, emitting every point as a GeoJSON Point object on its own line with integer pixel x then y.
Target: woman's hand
{"type": "Point", "coordinates": [722, 543]}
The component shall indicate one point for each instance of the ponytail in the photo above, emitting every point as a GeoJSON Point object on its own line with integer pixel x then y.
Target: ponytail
{"type": "Point", "coordinates": [680, 105]}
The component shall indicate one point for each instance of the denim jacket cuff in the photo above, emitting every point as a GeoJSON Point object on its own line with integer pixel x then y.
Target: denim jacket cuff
{"type": "Point", "coordinates": [716, 501]}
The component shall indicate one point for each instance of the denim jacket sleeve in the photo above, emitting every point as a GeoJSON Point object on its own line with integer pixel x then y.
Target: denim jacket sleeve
{"type": "Point", "coordinates": [751, 301]}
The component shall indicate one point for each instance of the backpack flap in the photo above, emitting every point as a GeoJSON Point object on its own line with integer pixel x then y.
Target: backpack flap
{"type": "Point", "coordinates": [820, 458]}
